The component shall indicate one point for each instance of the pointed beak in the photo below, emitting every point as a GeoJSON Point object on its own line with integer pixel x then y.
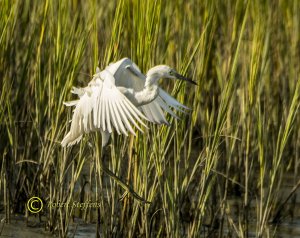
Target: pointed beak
{"type": "Point", "coordinates": [181, 77]}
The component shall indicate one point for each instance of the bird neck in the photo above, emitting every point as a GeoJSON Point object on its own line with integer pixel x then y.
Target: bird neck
{"type": "Point", "coordinates": [148, 93]}
{"type": "Point", "coordinates": [151, 87]}
{"type": "Point", "coordinates": [151, 80]}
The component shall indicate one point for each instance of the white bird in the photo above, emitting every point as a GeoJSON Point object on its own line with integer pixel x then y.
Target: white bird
{"type": "Point", "coordinates": [119, 96]}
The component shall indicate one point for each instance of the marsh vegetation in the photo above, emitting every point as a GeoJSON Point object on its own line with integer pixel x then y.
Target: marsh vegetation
{"type": "Point", "coordinates": [239, 143]}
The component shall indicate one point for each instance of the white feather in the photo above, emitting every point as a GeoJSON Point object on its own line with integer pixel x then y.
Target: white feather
{"type": "Point", "coordinates": [112, 101]}
{"type": "Point", "coordinates": [101, 106]}
{"type": "Point", "coordinates": [128, 75]}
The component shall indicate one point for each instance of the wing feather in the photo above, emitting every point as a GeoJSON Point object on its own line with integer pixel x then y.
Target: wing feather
{"type": "Point", "coordinates": [124, 119]}
{"type": "Point", "coordinates": [128, 75]}
{"type": "Point", "coordinates": [114, 115]}
{"type": "Point", "coordinates": [107, 116]}
{"type": "Point", "coordinates": [171, 101]}
{"type": "Point", "coordinates": [102, 106]}
{"type": "Point", "coordinates": [146, 110]}
{"type": "Point", "coordinates": [166, 108]}
{"type": "Point", "coordinates": [129, 116]}
{"type": "Point", "coordinates": [120, 122]}
{"type": "Point", "coordinates": [160, 114]}
{"type": "Point", "coordinates": [103, 113]}
{"type": "Point", "coordinates": [98, 112]}
{"type": "Point", "coordinates": [154, 113]}
{"type": "Point", "coordinates": [135, 111]}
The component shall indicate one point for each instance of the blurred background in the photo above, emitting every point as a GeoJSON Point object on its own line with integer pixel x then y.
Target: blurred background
{"type": "Point", "coordinates": [228, 168]}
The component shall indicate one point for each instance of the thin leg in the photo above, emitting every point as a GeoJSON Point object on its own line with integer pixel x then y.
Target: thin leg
{"type": "Point", "coordinates": [98, 232]}
{"type": "Point", "coordinates": [105, 140]}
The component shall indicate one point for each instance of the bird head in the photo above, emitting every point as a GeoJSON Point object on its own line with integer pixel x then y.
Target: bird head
{"type": "Point", "coordinates": [164, 71]}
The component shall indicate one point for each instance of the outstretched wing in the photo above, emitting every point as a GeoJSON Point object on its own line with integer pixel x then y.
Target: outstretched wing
{"type": "Point", "coordinates": [128, 75]}
{"type": "Point", "coordinates": [101, 107]}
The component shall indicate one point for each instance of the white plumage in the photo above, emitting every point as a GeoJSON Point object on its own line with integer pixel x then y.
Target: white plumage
{"type": "Point", "coordinates": [119, 97]}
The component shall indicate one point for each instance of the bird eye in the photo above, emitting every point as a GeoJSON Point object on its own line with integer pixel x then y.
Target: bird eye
{"type": "Point", "coordinates": [171, 72]}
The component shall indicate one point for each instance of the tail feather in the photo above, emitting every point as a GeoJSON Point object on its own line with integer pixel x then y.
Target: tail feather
{"type": "Point", "coordinates": [71, 103]}
{"type": "Point", "coordinates": [78, 91]}
{"type": "Point", "coordinates": [70, 140]}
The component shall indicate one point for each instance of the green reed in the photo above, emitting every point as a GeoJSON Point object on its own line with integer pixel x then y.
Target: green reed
{"type": "Point", "coordinates": [235, 146]}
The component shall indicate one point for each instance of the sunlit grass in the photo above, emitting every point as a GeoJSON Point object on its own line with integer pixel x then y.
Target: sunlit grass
{"type": "Point", "coordinates": [238, 142]}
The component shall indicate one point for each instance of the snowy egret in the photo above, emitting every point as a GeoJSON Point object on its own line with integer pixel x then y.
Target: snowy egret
{"type": "Point", "coordinates": [118, 95]}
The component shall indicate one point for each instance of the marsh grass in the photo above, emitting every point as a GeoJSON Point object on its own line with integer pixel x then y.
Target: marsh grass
{"type": "Point", "coordinates": [238, 142]}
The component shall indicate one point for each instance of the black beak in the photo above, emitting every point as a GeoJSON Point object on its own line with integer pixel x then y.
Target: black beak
{"type": "Point", "coordinates": [181, 77]}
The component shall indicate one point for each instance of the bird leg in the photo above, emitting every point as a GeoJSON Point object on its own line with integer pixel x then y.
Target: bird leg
{"type": "Point", "coordinates": [118, 180]}
{"type": "Point", "coordinates": [123, 185]}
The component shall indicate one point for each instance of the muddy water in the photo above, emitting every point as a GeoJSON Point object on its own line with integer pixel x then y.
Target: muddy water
{"type": "Point", "coordinates": [289, 228]}
{"type": "Point", "coordinates": [19, 228]}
